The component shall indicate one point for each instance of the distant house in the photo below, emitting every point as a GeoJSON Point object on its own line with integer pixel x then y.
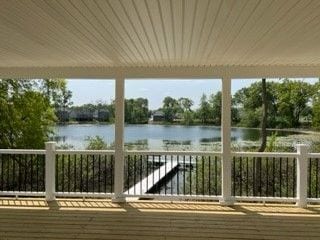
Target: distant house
{"type": "Point", "coordinates": [81, 115]}
{"type": "Point", "coordinates": [102, 115]}
{"type": "Point", "coordinates": [84, 116]}
{"type": "Point", "coordinates": [158, 116]}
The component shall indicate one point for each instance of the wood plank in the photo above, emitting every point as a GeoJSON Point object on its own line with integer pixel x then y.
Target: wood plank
{"type": "Point", "coordinates": [97, 219]}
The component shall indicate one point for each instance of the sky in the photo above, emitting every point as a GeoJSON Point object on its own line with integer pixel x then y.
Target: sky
{"type": "Point", "coordinates": [155, 90]}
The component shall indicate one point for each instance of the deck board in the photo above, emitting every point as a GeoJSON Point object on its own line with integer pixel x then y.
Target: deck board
{"type": "Point", "coordinates": [102, 219]}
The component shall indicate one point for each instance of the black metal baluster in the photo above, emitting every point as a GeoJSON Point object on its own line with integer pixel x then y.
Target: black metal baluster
{"type": "Point", "coordinates": [197, 175]}
{"type": "Point", "coordinates": [134, 174]}
{"type": "Point", "coordinates": [128, 172]}
{"type": "Point", "coordinates": [81, 173]}
{"type": "Point", "coordinates": [317, 178]}
{"type": "Point", "coordinates": [280, 173]}
{"type": "Point", "coordinates": [9, 160]}
{"type": "Point", "coordinates": [62, 173]}
{"type": "Point", "coordinates": [69, 172]}
{"type": "Point", "coordinates": [87, 166]}
{"type": "Point", "coordinates": [309, 178]}
{"type": "Point", "coordinates": [6, 166]}
{"type": "Point", "coordinates": [190, 175]}
{"type": "Point", "coordinates": [147, 159]}
{"type": "Point", "coordinates": [287, 176]}
{"type": "Point", "coordinates": [57, 173]}
{"type": "Point", "coordinates": [43, 165]}
{"type": "Point", "coordinates": [14, 173]}
{"type": "Point", "coordinates": [158, 185]}
{"type": "Point", "coordinates": [184, 175]}
{"type": "Point", "coordinates": [254, 176]}
{"type": "Point", "coordinates": [37, 174]}
{"type": "Point", "coordinates": [2, 172]}
{"type": "Point", "coordinates": [260, 177]}
{"type": "Point", "coordinates": [105, 173]}
{"type": "Point", "coordinates": [209, 175]}
{"type": "Point", "coordinates": [240, 170]}
{"type": "Point", "coordinates": [202, 159]}
{"type": "Point", "coordinates": [178, 192]}
{"type": "Point", "coordinates": [153, 171]}
{"type": "Point", "coordinates": [93, 175]}
{"type": "Point", "coordinates": [234, 175]}
{"type": "Point", "coordinates": [141, 175]}
{"type": "Point", "coordinates": [99, 173]}
{"type": "Point", "coordinates": [247, 177]}
{"type": "Point", "coordinates": [294, 177]}
{"type": "Point", "coordinates": [171, 180]}
{"type": "Point", "coordinates": [75, 173]}
{"type": "Point", "coordinates": [273, 177]}
{"type": "Point", "coordinates": [112, 174]}
{"type": "Point", "coordinates": [20, 173]}
{"type": "Point", "coordinates": [25, 171]}
{"type": "Point", "coordinates": [267, 177]}
{"type": "Point", "coordinates": [165, 171]}
{"type": "Point", "coordinates": [216, 174]}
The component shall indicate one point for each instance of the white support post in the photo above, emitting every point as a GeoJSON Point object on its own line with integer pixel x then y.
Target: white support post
{"type": "Point", "coordinates": [302, 175]}
{"type": "Point", "coordinates": [119, 142]}
{"type": "Point", "coordinates": [227, 199]}
{"type": "Point", "coordinates": [50, 181]}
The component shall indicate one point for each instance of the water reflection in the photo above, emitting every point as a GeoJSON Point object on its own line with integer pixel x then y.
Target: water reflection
{"type": "Point", "coordinates": [159, 137]}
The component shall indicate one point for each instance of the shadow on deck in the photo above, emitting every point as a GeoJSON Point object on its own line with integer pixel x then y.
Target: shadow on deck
{"type": "Point", "coordinates": [102, 219]}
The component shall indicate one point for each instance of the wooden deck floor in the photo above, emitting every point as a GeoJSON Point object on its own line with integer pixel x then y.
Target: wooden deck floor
{"type": "Point", "coordinates": [101, 219]}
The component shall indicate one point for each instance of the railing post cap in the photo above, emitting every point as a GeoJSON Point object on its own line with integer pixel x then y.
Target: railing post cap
{"type": "Point", "coordinates": [302, 147]}
{"type": "Point", "coordinates": [50, 145]}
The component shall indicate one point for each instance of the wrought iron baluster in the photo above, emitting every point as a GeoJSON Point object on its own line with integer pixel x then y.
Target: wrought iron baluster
{"type": "Point", "coordinates": [81, 173]}
{"type": "Point", "coordinates": [209, 175]}
{"type": "Point", "coordinates": [62, 184]}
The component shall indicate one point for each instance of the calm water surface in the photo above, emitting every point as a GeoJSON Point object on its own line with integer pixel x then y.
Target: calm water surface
{"type": "Point", "coordinates": [156, 137]}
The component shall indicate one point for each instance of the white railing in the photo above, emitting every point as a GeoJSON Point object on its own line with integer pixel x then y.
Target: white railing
{"type": "Point", "coordinates": [144, 166]}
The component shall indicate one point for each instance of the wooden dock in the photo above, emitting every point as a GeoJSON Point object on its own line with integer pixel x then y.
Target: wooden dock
{"type": "Point", "coordinates": [154, 178]}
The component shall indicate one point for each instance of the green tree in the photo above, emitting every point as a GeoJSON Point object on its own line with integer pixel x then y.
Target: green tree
{"type": "Point", "coordinates": [248, 101]}
{"type": "Point", "coordinates": [170, 108]}
{"type": "Point", "coordinates": [316, 106]}
{"type": "Point", "coordinates": [185, 108]}
{"type": "Point", "coordinates": [26, 116]}
{"type": "Point", "coordinates": [292, 102]}
{"type": "Point", "coordinates": [215, 101]}
{"type": "Point", "coordinates": [204, 109]}
{"type": "Point", "coordinates": [136, 110]}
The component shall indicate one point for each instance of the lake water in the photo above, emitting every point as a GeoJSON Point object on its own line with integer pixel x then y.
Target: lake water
{"type": "Point", "coordinates": [158, 137]}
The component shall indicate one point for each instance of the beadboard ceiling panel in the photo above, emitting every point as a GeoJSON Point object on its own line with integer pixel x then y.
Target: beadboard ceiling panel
{"type": "Point", "coordinates": [159, 33]}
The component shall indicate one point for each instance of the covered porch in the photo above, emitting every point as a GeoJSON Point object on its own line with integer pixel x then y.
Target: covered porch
{"type": "Point", "coordinates": [125, 40]}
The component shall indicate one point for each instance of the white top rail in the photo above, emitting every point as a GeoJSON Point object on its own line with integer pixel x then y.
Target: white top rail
{"type": "Point", "coordinates": [147, 152]}
{"type": "Point", "coordinates": [265, 154]}
{"type": "Point", "coordinates": [179, 153]}
{"type": "Point", "coordinates": [23, 151]}
{"type": "Point", "coordinates": [314, 155]}
{"type": "Point", "coordinates": [85, 152]}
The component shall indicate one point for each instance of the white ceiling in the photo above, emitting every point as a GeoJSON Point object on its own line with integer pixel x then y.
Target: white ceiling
{"type": "Point", "coordinates": [159, 33]}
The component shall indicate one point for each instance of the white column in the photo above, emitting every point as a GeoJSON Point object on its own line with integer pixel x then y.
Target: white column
{"type": "Point", "coordinates": [302, 175]}
{"type": "Point", "coordinates": [119, 141]}
{"type": "Point", "coordinates": [226, 142]}
{"type": "Point", "coordinates": [50, 181]}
